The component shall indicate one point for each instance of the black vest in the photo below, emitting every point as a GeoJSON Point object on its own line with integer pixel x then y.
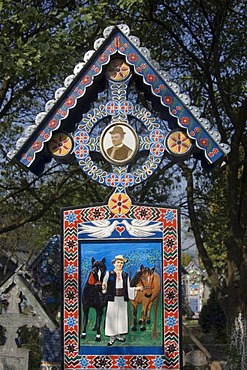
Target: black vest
{"type": "Point", "coordinates": [111, 286]}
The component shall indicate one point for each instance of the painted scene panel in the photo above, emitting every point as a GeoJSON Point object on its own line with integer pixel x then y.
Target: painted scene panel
{"type": "Point", "coordinates": [113, 267]}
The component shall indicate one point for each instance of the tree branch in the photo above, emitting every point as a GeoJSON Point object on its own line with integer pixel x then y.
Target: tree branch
{"type": "Point", "coordinates": [3, 90]}
{"type": "Point", "coordinates": [45, 206]}
{"type": "Point", "coordinates": [188, 173]}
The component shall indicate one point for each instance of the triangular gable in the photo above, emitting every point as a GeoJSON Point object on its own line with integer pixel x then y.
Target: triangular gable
{"type": "Point", "coordinates": [50, 252]}
{"type": "Point", "coordinates": [62, 112]}
{"type": "Point", "coordinates": [43, 317]}
{"type": "Point", "coordinates": [193, 266]}
{"type": "Point", "coordinates": [46, 272]}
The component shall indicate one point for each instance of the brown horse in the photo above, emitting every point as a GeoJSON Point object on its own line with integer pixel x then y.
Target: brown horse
{"type": "Point", "coordinates": [150, 282]}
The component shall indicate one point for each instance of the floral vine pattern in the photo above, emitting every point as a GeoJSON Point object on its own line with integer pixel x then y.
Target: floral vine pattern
{"type": "Point", "coordinates": [118, 109]}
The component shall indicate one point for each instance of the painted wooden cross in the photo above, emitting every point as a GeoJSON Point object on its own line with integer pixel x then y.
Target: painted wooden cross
{"type": "Point", "coordinates": [98, 118]}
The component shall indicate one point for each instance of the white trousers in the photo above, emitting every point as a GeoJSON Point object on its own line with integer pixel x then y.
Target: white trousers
{"type": "Point", "coordinates": [116, 317]}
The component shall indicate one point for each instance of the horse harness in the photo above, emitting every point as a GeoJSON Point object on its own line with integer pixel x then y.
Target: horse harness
{"type": "Point", "coordinates": [145, 287]}
{"type": "Point", "coordinates": [93, 280]}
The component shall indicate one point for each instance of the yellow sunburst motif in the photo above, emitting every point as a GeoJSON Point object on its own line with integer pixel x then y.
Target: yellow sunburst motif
{"type": "Point", "coordinates": [119, 203]}
{"type": "Point", "coordinates": [60, 145]}
{"type": "Point", "coordinates": [118, 70]}
{"type": "Point", "coordinates": [178, 143]}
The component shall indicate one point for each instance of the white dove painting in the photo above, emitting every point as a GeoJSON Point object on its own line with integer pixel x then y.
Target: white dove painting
{"type": "Point", "coordinates": [101, 229]}
{"type": "Point", "coordinates": [142, 228]}
{"type": "Point", "coordinates": [98, 229]}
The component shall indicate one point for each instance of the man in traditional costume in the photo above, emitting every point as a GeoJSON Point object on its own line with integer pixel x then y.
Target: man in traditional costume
{"type": "Point", "coordinates": [117, 289]}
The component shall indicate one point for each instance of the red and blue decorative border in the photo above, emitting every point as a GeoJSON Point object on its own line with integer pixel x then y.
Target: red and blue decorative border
{"type": "Point", "coordinates": [171, 357]}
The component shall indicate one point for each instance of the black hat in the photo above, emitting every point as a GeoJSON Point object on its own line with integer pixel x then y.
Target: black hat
{"type": "Point", "coordinates": [117, 130]}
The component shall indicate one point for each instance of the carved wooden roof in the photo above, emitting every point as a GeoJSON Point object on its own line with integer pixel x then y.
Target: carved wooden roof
{"type": "Point", "coordinates": [67, 129]}
{"type": "Point", "coordinates": [20, 284]}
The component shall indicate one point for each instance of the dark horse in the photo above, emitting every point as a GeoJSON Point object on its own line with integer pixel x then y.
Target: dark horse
{"type": "Point", "coordinates": [92, 296]}
{"type": "Point", "coordinates": [150, 283]}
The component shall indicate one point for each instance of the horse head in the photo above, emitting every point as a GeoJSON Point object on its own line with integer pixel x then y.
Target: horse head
{"type": "Point", "coordinates": [144, 278]}
{"type": "Point", "coordinates": [147, 277]}
{"type": "Point", "coordinates": [99, 268]}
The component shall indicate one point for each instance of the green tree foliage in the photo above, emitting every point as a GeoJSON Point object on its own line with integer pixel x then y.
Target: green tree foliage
{"type": "Point", "coordinates": [213, 222]}
{"type": "Point", "coordinates": [212, 318]}
{"type": "Point", "coordinates": [186, 258]}
{"type": "Point", "coordinates": [35, 39]}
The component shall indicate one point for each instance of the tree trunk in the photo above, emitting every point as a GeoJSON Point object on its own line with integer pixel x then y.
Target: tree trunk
{"type": "Point", "coordinates": [237, 340]}
{"type": "Point", "coordinates": [154, 335]}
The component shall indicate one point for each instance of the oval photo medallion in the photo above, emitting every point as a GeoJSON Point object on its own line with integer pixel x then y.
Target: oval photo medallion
{"type": "Point", "coordinates": [119, 143]}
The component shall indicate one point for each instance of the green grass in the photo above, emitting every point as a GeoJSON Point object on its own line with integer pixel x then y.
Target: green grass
{"type": "Point", "coordinates": [133, 338]}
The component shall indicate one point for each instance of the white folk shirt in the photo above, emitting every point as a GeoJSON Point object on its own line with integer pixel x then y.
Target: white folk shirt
{"type": "Point", "coordinates": [116, 322]}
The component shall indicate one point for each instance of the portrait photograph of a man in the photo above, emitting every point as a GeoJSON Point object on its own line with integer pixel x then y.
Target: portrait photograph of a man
{"type": "Point", "coordinates": [119, 143]}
